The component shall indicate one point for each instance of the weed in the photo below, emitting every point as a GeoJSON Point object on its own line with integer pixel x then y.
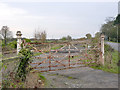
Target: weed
{"type": "Point", "coordinates": [70, 77]}
{"type": "Point", "coordinates": [41, 77]}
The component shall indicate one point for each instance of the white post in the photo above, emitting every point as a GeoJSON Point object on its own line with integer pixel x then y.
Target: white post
{"type": "Point", "coordinates": [18, 41]}
{"type": "Point", "coordinates": [102, 49]}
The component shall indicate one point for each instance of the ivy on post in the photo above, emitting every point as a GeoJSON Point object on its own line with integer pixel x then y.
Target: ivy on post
{"type": "Point", "coordinates": [24, 63]}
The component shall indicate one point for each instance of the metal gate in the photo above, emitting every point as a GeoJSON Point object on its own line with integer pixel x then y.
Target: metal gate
{"type": "Point", "coordinates": [68, 55]}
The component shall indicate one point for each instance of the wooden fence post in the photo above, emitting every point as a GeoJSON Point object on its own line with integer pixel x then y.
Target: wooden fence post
{"type": "Point", "coordinates": [18, 34]}
{"type": "Point", "coordinates": [102, 49]}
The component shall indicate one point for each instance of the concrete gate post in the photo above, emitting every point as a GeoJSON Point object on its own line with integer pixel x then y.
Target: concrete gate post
{"type": "Point", "coordinates": [102, 49]}
{"type": "Point", "coordinates": [18, 34]}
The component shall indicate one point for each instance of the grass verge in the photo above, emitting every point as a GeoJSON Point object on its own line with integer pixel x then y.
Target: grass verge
{"type": "Point", "coordinates": [110, 67]}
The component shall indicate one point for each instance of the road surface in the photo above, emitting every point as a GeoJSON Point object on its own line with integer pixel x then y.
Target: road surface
{"type": "Point", "coordinates": [83, 77]}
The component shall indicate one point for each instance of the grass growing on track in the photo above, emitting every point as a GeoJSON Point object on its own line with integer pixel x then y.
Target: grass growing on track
{"type": "Point", "coordinates": [111, 41]}
{"type": "Point", "coordinates": [70, 77]}
{"type": "Point", "coordinates": [56, 47]}
{"type": "Point", "coordinates": [41, 77]}
{"type": "Point", "coordinates": [36, 54]}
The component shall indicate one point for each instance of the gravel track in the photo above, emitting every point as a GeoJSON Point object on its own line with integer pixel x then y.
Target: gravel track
{"type": "Point", "coordinates": [83, 77]}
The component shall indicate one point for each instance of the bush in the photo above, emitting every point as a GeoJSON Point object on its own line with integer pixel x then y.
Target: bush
{"type": "Point", "coordinates": [108, 48]}
{"type": "Point", "coordinates": [13, 44]}
{"type": "Point", "coordinates": [3, 44]}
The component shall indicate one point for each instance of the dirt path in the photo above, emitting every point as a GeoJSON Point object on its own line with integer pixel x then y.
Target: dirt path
{"type": "Point", "coordinates": [81, 78]}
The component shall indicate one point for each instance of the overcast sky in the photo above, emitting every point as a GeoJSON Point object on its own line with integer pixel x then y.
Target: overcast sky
{"type": "Point", "coordinates": [57, 18]}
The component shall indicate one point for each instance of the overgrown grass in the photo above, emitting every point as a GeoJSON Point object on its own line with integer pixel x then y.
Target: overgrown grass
{"type": "Point", "coordinates": [44, 80]}
{"type": "Point", "coordinates": [36, 54]}
{"type": "Point", "coordinates": [110, 67]}
{"type": "Point", "coordinates": [70, 77]}
{"type": "Point", "coordinates": [112, 41]}
{"type": "Point", "coordinates": [111, 61]}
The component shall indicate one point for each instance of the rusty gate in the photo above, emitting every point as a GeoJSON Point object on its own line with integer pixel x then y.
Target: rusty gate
{"type": "Point", "coordinates": [59, 56]}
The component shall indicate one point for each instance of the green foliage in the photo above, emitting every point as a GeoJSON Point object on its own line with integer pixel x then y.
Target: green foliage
{"type": "Point", "coordinates": [117, 20]}
{"type": "Point", "coordinates": [94, 40]}
{"type": "Point", "coordinates": [6, 84]}
{"type": "Point", "coordinates": [9, 83]}
{"type": "Point", "coordinates": [66, 38]}
{"type": "Point", "coordinates": [110, 30]}
{"type": "Point", "coordinates": [27, 40]}
{"type": "Point", "coordinates": [13, 44]}
{"type": "Point", "coordinates": [41, 77]}
{"type": "Point", "coordinates": [63, 38]}
{"type": "Point", "coordinates": [57, 47]}
{"type": "Point", "coordinates": [36, 41]}
{"type": "Point", "coordinates": [89, 36]}
{"type": "Point", "coordinates": [2, 66]}
{"type": "Point", "coordinates": [36, 54]}
{"type": "Point", "coordinates": [110, 63]}
{"type": "Point", "coordinates": [69, 77]}
{"type": "Point", "coordinates": [10, 46]}
{"type": "Point", "coordinates": [97, 35]}
{"type": "Point", "coordinates": [5, 67]}
{"type": "Point", "coordinates": [108, 48]}
{"type": "Point", "coordinates": [3, 44]}
{"type": "Point", "coordinates": [22, 69]}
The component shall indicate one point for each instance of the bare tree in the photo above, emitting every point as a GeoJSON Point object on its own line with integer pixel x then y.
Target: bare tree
{"type": "Point", "coordinates": [40, 35]}
{"type": "Point", "coordinates": [5, 34]}
{"type": "Point", "coordinates": [43, 36]}
{"type": "Point", "coordinates": [69, 37]}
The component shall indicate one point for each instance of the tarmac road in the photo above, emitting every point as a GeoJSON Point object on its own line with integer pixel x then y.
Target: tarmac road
{"type": "Point", "coordinates": [83, 77]}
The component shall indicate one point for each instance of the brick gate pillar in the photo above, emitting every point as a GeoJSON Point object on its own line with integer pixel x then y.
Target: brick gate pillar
{"type": "Point", "coordinates": [18, 34]}
{"type": "Point", "coordinates": [102, 49]}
